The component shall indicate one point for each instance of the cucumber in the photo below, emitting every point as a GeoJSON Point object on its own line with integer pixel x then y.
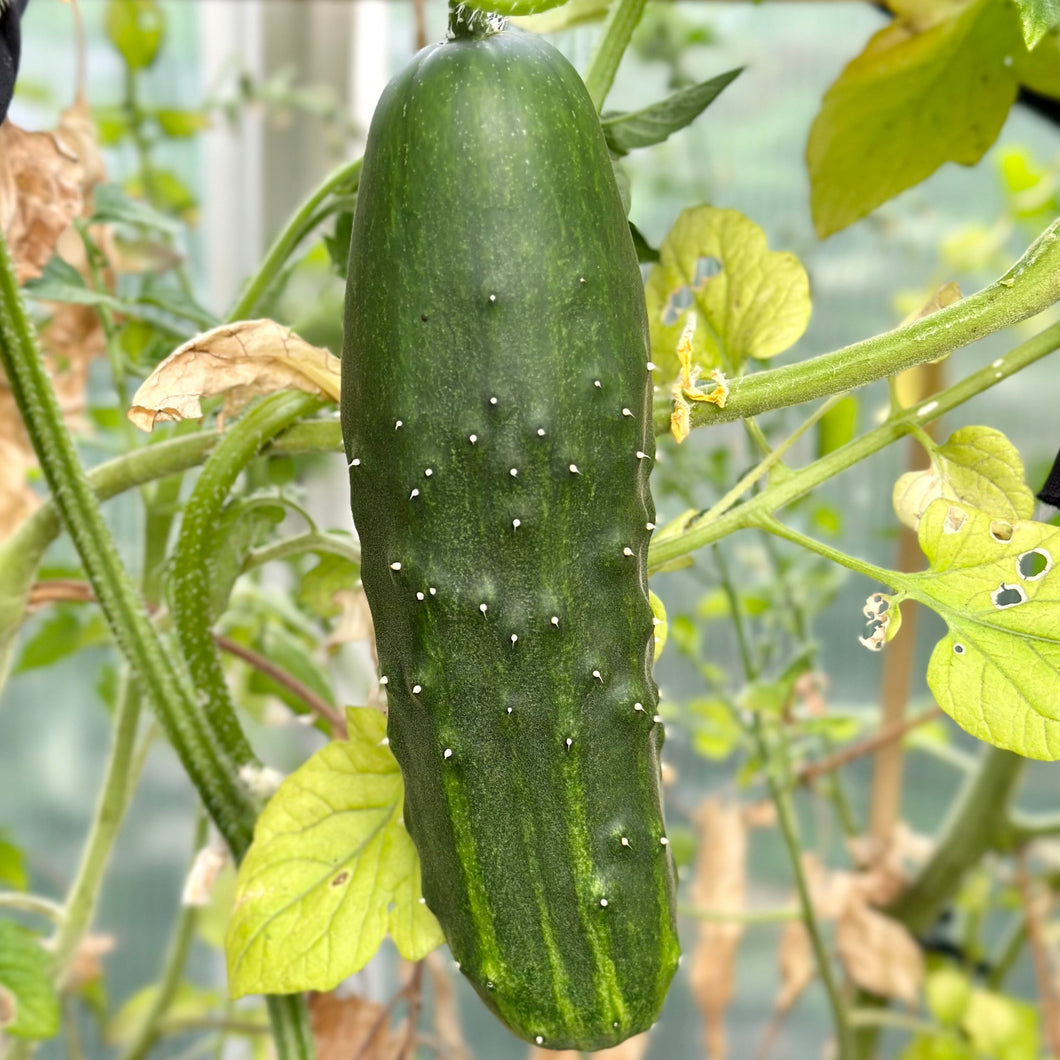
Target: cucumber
{"type": "Point", "coordinates": [496, 397]}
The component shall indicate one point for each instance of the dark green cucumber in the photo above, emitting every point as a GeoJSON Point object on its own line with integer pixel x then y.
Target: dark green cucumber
{"type": "Point", "coordinates": [496, 399]}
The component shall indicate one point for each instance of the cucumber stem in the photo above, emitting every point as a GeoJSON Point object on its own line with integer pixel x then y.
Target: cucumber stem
{"type": "Point", "coordinates": [469, 23]}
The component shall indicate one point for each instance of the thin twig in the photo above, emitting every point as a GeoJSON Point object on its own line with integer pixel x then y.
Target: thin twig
{"type": "Point", "coordinates": [414, 991]}
{"type": "Point", "coordinates": [812, 770]}
{"type": "Point", "coordinates": [316, 703]}
{"type": "Point", "coordinates": [1043, 973]}
{"type": "Point", "coordinates": [70, 590]}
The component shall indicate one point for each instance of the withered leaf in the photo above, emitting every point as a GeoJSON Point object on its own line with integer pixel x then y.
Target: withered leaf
{"type": "Point", "coordinates": [41, 181]}
{"type": "Point", "coordinates": [351, 1026]}
{"type": "Point", "coordinates": [719, 884]}
{"type": "Point", "coordinates": [240, 361]}
{"type": "Point", "coordinates": [878, 953]}
{"type": "Point", "coordinates": [797, 964]}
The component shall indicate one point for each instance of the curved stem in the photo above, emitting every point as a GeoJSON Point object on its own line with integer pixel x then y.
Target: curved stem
{"type": "Point", "coordinates": [191, 568]}
{"type": "Point", "coordinates": [213, 776]}
{"type": "Point", "coordinates": [798, 483]}
{"type": "Point", "coordinates": [1029, 287]}
{"type": "Point", "coordinates": [617, 32]}
{"type": "Point", "coordinates": [32, 903]}
{"type": "Point", "coordinates": [311, 541]}
{"type": "Point", "coordinates": [344, 181]}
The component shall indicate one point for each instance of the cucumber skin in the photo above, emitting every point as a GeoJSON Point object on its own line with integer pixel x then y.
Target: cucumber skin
{"type": "Point", "coordinates": [493, 290]}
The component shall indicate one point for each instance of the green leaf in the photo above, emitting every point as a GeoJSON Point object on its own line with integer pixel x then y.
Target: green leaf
{"type": "Point", "coordinates": [907, 104]}
{"type": "Point", "coordinates": [1002, 1027]}
{"type": "Point", "coordinates": [190, 1002]}
{"type": "Point", "coordinates": [947, 991]}
{"type": "Point", "coordinates": [166, 192]}
{"type": "Point", "coordinates": [655, 123]}
{"type": "Point", "coordinates": [65, 630]}
{"type": "Point", "coordinates": [661, 629]}
{"type": "Point", "coordinates": [995, 672]}
{"type": "Point", "coordinates": [937, 1047]}
{"type": "Point", "coordinates": [715, 731]}
{"type": "Point", "coordinates": [111, 203]}
{"type": "Point", "coordinates": [12, 865]}
{"type": "Point", "coordinates": [319, 585]}
{"type": "Point", "coordinates": [244, 523]}
{"type": "Point", "coordinates": [1039, 70]}
{"type": "Point", "coordinates": [1037, 17]}
{"type": "Point", "coordinates": [977, 466]}
{"type": "Point", "coordinates": [836, 427]}
{"type": "Point", "coordinates": [297, 658]}
{"type": "Point", "coordinates": [182, 123]}
{"type": "Point", "coordinates": [330, 871]}
{"type": "Point", "coordinates": [135, 28]}
{"type": "Point", "coordinates": [29, 1004]}
{"type": "Point", "coordinates": [749, 301]}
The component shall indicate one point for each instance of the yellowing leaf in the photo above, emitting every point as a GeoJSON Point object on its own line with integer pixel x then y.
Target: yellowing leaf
{"type": "Point", "coordinates": [879, 954]}
{"type": "Point", "coordinates": [978, 466]}
{"type": "Point", "coordinates": [995, 672]}
{"type": "Point", "coordinates": [749, 301]}
{"type": "Point", "coordinates": [907, 104]}
{"type": "Point", "coordinates": [240, 361]}
{"type": "Point", "coordinates": [330, 872]}
{"type": "Point", "coordinates": [1039, 70]}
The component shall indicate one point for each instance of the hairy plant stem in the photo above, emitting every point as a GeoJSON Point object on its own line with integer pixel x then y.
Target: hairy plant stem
{"type": "Point", "coordinates": [161, 679]}
{"type": "Point", "coordinates": [342, 181]}
{"type": "Point", "coordinates": [618, 29]}
{"type": "Point", "coordinates": [697, 532]}
{"type": "Point", "coordinates": [1029, 287]}
{"type": "Point", "coordinates": [191, 566]}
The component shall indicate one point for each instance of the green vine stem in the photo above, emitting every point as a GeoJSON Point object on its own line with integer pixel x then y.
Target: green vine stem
{"type": "Point", "coordinates": [147, 1032]}
{"type": "Point", "coordinates": [795, 484]}
{"type": "Point", "coordinates": [1029, 287]}
{"type": "Point", "coordinates": [191, 587]}
{"type": "Point", "coordinates": [780, 782]}
{"type": "Point", "coordinates": [226, 799]}
{"type": "Point", "coordinates": [342, 182]}
{"type": "Point", "coordinates": [118, 783]}
{"type": "Point", "coordinates": [618, 30]}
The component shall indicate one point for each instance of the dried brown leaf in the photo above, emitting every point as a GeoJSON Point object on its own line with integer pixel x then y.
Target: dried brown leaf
{"type": "Point", "coordinates": [17, 500]}
{"type": "Point", "coordinates": [40, 194]}
{"type": "Point", "coordinates": [719, 884]}
{"type": "Point", "coordinates": [355, 622]}
{"type": "Point", "coordinates": [797, 964]}
{"type": "Point", "coordinates": [351, 1026]}
{"type": "Point", "coordinates": [86, 965]}
{"type": "Point", "coordinates": [240, 361]}
{"type": "Point", "coordinates": [447, 1027]}
{"type": "Point", "coordinates": [878, 953]}
{"type": "Point", "coordinates": [830, 889]}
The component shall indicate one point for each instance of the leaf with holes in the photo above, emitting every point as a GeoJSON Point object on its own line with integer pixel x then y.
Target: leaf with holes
{"type": "Point", "coordinates": [330, 872]}
{"type": "Point", "coordinates": [995, 672]}
{"type": "Point", "coordinates": [749, 301]}
{"type": "Point", "coordinates": [29, 1005]}
{"type": "Point", "coordinates": [978, 466]}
